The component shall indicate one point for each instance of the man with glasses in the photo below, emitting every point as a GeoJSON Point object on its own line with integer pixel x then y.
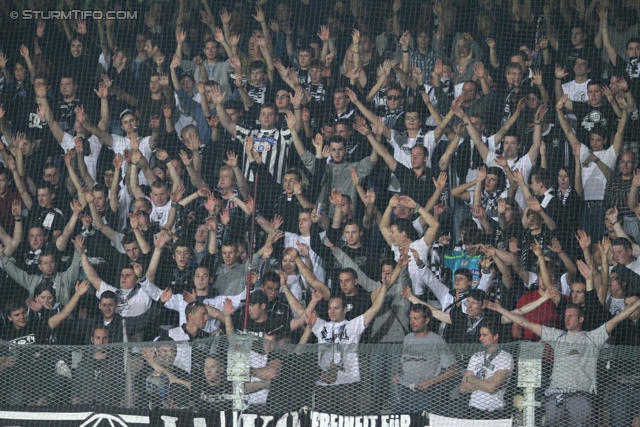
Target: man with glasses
{"type": "Point", "coordinates": [393, 110]}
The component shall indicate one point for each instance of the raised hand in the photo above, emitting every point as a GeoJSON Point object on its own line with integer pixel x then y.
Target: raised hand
{"type": "Point", "coordinates": [324, 34]}
{"type": "Point", "coordinates": [441, 182]}
{"type": "Point", "coordinates": [102, 91]}
{"type": "Point", "coordinates": [24, 51]}
{"type": "Point", "coordinates": [228, 308]}
{"type": "Point", "coordinates": [259, 16]}
{"type": "Point", "coordinates": [536, 248]}
{"type": "Point", "coordinates": [478, 70]}
{"type": "Point", "coordinates": [355, 179]}
{"type": "Point", "coordinates": [534, 204]}
{"type": "Point", "coordinates": [583, 239]}
{"type": "Point", "coordinates": [370, 197]}
{"type": "Point", "coordinates": [225, 17]}
{"type": "Point", "coordinates": [303, 249]}
{"type": "Point", "coordinates": [562, 101]}
{"type": "Point", "coordinates": [622, 101]}
{"type": "Point", "coordinates": [612, 215]}
{"type": "Point", "coordinates": [585, 270]}
{"type": "Point", "coordinates": [482, 174]}
{"type": "Point", "coordinates": [537, 77]}
{"type": "Point", "coordinates": [517, 176]}
{"type": "Point", "coordinates": [166, 295]}
{"type": "Point", "coordinates": [225, 216]}
{"type": "Point", "coordinates": [540, 113]}
{"type": "Point", "coordinates": [513, 245]}
{"type": "Point", "coordinates": [555, 246]}
{"type": "Point", "coordinates": [605, 245]}
{"type": "Point", "coordinates": [291, 119]}
{"type": "Point", "coordinates": [16, 208]}
{"type": "Point", "coordinates": [478, 212]}
{"type": "Point", "coordinates": [82, 287]}
{"type": "Point", "coordinates": [560, 73]}
{"type": "Point", "coordinates": [78, 243]}
{"type": "Point", "coordinates": [177, 194]}
{"type": "Point", "coordinates": [189, 297]}
{"type": "Point", "coordinates": [232, 159]}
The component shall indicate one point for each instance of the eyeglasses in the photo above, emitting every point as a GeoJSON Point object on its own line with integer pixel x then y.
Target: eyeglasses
{"type": "Point", "coordinates": [614, 278]}
{"type": "Point", "coordinates": [52, 175]}
{"type": "Point", "coordinates": [282, 96]}
{"type": "Point", "coordinates": [393, 97]}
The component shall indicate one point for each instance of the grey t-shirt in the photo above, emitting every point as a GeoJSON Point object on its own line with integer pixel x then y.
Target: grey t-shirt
{"type": "Point", "coordinates": [424, 357]}
{"type": "Point", "coordinates": [575, 357]}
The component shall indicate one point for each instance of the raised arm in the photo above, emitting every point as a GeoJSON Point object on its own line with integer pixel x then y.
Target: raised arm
{"type": "Point", "coordinates": [377, 146]}
{"type": "Point", "coordinates": [617, 139]}
{"type": "Point", "coordinates": [564, 123]}
{"type": "Point", "coordinates": [225, 119]}
{"type": "Point", "coordinates": [514, 318]}
{"type": "Point", "coordinates": [437, 314]}
{"type": "Point", "coordinates": [308, 275]}
{"type": "Point", "coordinates": [81, 289]}
{"type": "Point", "coordinates": [11, 242]}
{"type": "Point", "coordinates": [88, 269]}
{"type": "Point", "coordinates": [385, 222]}
{"type": "Point", "coordinates": [372, 312]}
{"type": "Point", "coordinates": [103, 136]}
{"type": "Point", "coordinates": [603, 13]}
{"type": "Point", "coordinates": [611, 324]}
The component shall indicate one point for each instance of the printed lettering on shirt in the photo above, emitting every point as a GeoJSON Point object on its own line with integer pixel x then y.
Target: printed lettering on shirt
{"type": "Point", "coordinates": [264, 143]}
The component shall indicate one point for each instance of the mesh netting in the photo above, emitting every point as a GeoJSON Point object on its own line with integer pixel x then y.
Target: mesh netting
{"type": "Point", "coordinates": [402, 199]}
{"type": "Point", "coordinates": [286, 379]}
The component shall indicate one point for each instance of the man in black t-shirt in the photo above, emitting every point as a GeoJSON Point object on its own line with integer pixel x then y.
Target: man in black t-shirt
{"type": "Point", "coordinates": [25, 332]}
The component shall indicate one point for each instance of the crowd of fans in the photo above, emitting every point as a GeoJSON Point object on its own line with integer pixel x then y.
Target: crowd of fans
{"type": "Point", "coordinates": [410, 173]}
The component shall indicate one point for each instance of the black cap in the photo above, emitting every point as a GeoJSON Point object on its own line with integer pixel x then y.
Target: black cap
{"type": "Point", "coordinates": [477, 294]}
{"type": "Point", "coordinates": [258, 297]}
{"type": "Point", "coordinates": [186, 74]}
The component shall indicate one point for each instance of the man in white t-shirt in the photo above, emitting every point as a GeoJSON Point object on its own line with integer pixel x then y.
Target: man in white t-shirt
{"type": "Point", "coordinates": [117, 143]}
{"type": "Point", "coordinates": [133, 302]}
{"type": "Point", "coordinates": [340, 378]}
{"type": "Point", "coordinates": [598, 165]}
{"type": "Point", "coordinates": [573, 379]}
{"type": "Point", "coordinates": [486, 376]}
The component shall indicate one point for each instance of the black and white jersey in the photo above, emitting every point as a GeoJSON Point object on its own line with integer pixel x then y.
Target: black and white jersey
{"type": "Point", "coordinates": [273, 145]}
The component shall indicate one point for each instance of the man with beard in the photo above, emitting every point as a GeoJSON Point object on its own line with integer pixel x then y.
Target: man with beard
{"type": "Point", "coordinates": [422, 370]}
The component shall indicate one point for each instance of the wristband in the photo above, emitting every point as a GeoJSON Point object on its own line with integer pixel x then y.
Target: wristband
{"type": "Point", "coordinates": [521, 185]}
{"type": "Point", "coordinates": [416, 209]}
{"type": "Point", "coordinates": [558, 78]}
{"type": "Point", "coordinates": [614, 223]}
{"type": "Point", "coordinates": [134, 163]}
{"type": "Point", "coordinates": [296, 108]}
{"type": "Point", "coordinates": [19, 219]}
{"type": "Point", "coordinates": [536, 123]}
{"type": "Point", "coordinates": [405, 51]}
{"type": "Point", "coordinates": [420, 264]}
{"type": "Point", "coordinates": [142, 279]}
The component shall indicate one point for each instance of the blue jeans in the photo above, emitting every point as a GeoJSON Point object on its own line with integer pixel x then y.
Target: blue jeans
{"type": "Point", "coordinates": [592, 221]}
{"type": "Point", "coordinates": [383, 368]}
{"type": "Point", "coordinates": [416, 400]}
